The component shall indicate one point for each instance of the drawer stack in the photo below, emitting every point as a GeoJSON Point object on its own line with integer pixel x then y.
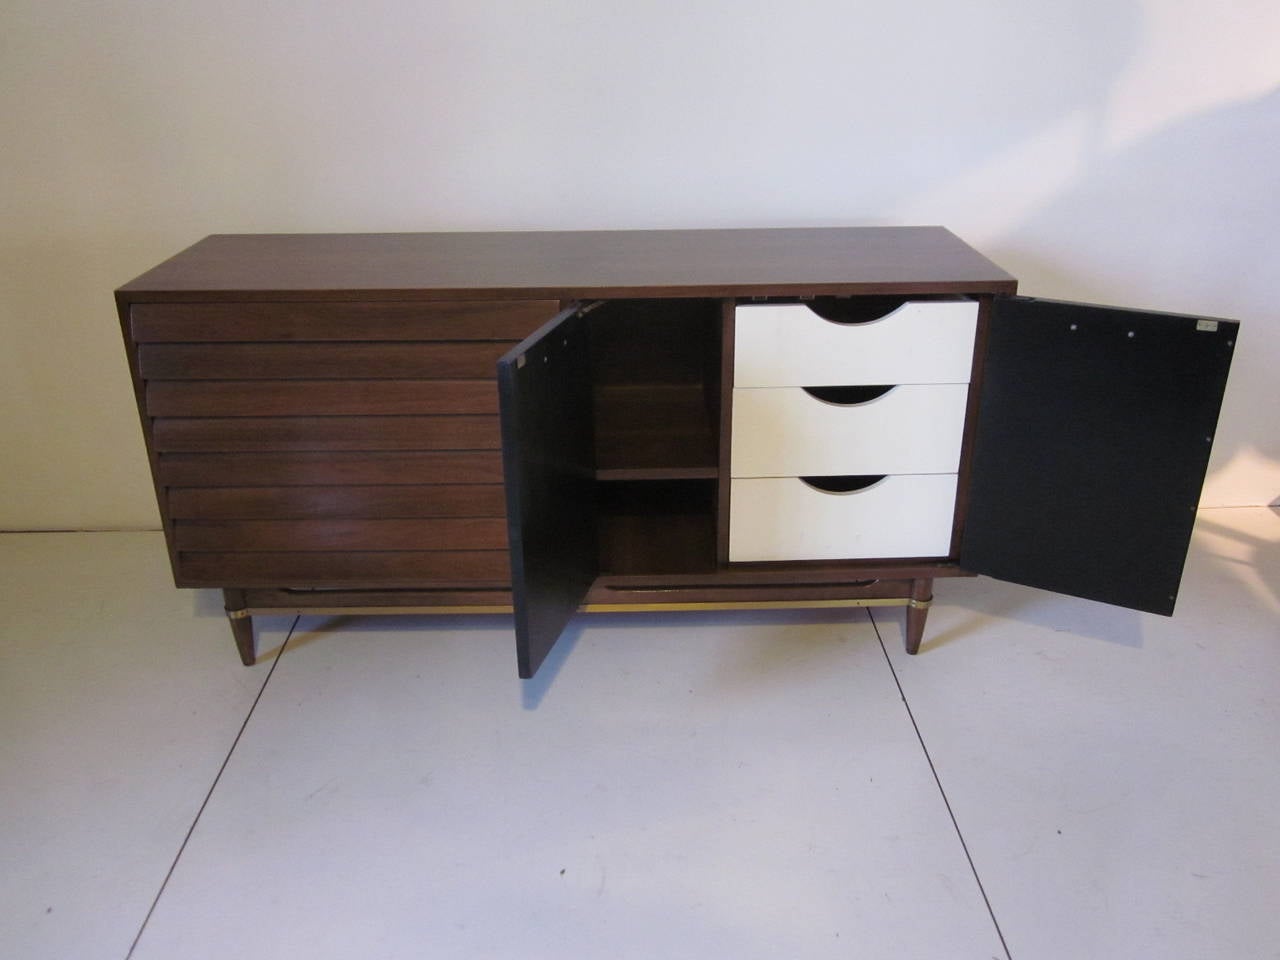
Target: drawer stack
{"type": "Point", "coordinates": [338, 445]}
{"type": "Point", "coordinates": [846, 436]}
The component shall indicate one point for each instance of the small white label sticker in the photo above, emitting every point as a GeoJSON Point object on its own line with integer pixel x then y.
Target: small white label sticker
{"type": "Point", "coordinates": [1207, 326]}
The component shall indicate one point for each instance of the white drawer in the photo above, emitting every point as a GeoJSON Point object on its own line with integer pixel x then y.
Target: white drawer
{"type": "Point", "coordinates": [788, 345]}
{"type": "Point", "coordinates": [787, 432]}
{"type": "Point", "coordinates": [786, 519]}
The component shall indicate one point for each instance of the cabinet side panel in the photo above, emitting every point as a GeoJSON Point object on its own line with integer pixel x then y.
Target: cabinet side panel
{"type": "Point", "coordinates": [127, 313]}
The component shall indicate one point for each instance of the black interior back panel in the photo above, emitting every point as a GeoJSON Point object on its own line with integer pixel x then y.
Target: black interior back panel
{"type": "Point", "coordinates": [1092, 442]}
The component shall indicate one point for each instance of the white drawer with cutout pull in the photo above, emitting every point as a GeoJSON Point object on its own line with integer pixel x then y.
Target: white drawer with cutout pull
{"type": "Point", "coordinates": [795, 518]}
{"type": "Point", "coordinates": [790, 345]}
{"type": "Point", "coordinates": [794, 431]}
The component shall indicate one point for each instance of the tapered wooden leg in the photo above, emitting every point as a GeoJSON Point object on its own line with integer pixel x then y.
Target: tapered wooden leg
{"type": "Point", "coordinates": [917, 612]}
{"type": "Point", "coordinates": [241, 626]}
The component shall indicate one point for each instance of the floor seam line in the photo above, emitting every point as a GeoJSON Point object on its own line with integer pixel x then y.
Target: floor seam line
{"type": "Point", "coordinates": [209, 793]}
{"type": "Point", "coordinates": [942, 792]}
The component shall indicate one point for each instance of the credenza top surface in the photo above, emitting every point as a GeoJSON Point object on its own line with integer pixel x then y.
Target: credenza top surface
{"type": "Point", "coordinates": [572, 265]}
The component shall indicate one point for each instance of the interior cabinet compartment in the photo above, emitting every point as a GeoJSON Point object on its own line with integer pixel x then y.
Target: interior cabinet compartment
{"type": "Point", "coordinates": [655, 388]}
{"type": "Point", "coordinates": [656, 527]}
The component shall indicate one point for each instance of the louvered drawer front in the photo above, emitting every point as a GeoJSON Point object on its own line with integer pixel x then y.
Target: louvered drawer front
{"type": "Point", "coordinates": [788, 431]}
{"type": "Point", "coordinates": [330, 444]}
{"type": "Point", "coordinates": [789, 345]}
{"type": "Point", "coordinates": [788, 519]}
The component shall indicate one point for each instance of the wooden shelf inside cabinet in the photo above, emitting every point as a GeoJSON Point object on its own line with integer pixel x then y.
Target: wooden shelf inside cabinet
{"type": "Point", "coordinates": [656, 527]}
{"type": "Point", "coordinates": [655, 370]}
{"type": "Point", "coordinates": [653, 432]}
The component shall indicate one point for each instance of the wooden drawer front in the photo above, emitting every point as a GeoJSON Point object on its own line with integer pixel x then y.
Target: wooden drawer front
{"type": "Point", "coordinates": [787, 432]}
{"type": "Point", "coordinates": [336, 519]}
{"type": "Point", "coordinates": [330, 444]}
{"type": "Point", "coordinates": [326, 469]}
{"type": "Point", "coordinates": [329, 534]}
{"type": "Point", "coordinates": [317, 322]}
{"type": "Point", "coordinates": [408, 568]}
{"type": "Point", "coordinates": [387, 502]}
{"type": "Point", "coordinates": [319, 361]}
{"type": "Point", "coordinates": [459, 533]}
{"type": "Point", "coordinates": [788, 345]}
{"type": "Point", "coordinates": [301, 434]}
{"type": "Point", "coordinates": [303, 398]}
{"type": "Point", "coordinates": [786, 519]}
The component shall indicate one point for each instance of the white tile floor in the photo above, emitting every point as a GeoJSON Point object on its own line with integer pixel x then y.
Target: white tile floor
{"type": "Point", "coordinates": [675, 786]}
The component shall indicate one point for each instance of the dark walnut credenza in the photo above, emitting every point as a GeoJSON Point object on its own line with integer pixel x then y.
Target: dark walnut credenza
{"type": "Point", "coordinates": [544, 423]}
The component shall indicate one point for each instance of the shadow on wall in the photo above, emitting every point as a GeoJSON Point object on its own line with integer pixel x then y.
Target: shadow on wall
{"type": "Point", "coordinates": [1184, 220]}
{"type": "Point", "coordinates": [1038, 63]}
{"type": "Point", "coordinates": [1253, 555]}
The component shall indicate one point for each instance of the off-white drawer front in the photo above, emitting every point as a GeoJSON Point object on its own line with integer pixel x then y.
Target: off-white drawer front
{"type": "Point", "coordinates": [787, 519]}
{"type": "Point", "coordinates": [787, 432]}
{"type": "Point", "coordinates": [788, 345]}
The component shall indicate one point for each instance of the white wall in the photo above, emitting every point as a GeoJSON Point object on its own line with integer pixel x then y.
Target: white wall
{"type": "Point", "coordinates": [1125, 151]}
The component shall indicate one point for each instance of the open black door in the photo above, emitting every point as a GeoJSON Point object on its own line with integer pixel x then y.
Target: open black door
{"type": "Point", "coordinates": [1092, 442]}
{"type": "Point", "coordinates": [545, 394]}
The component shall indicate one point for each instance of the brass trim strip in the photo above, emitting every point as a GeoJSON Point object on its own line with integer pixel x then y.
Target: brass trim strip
{"type": "Point", "coordinates": [651, 607]}
{"type": "Point", "coordinates": [920, 604]}
{"type": "Point", "coordinates": [740, 605]}
{"type": "Point", "coordinates": [375, 611]}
